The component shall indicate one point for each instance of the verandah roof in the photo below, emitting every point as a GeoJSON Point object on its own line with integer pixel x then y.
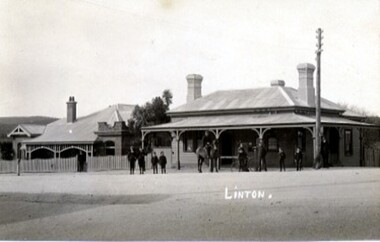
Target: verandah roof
{"type": "Point", "coordinates": [247, 120]}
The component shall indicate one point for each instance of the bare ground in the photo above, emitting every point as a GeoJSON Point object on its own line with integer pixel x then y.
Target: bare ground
{"type": "Point", "coordinates": [328, 204]}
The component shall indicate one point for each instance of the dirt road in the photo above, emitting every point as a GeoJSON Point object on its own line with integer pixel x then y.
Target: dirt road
{"type": "Point", "coordinates": [311, 205]}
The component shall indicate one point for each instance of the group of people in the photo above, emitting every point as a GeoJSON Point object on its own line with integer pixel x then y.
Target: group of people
{"type": "Point", "coordinates": [243, 157]}
{"type": "Point", "coordinates": [139, 156]}
{"type": "Point", "coordinates": [298, 157]}
{"type": "Point", "coordinates": [261, 162]}
{"type": "Point", "coordinates": [208, 150]}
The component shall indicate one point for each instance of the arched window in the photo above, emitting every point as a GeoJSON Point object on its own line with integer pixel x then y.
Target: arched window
{"type": "Point", "coordinates": [42, 153]}
{"type": "Point", "coordinates": [110, 147]}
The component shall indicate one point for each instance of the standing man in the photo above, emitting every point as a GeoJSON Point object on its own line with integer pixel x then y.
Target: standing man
{"type": "Point", "coordinates": [251, 155]}
{"type": "Point", "coordinates": [262, 154]}
{"type": "Point", "coordinates": [298, 159]}
{"type": "Point", "coordinates": [141, 159]}
{"type": "Point", "coordinates": [214, 157]}
{"type": "Point", "coordinates": [281, 156]}
{"type": "Point", "coordinates": [81, 161]}
{"type": "Point", "coordinates": [242, 157]}
{"type": "Point", "coordinates": [154, 161]}
{"type": "Point", "coordinates": [325, 152]}
{"type": "Point", "coordinates": [132, 160]}
{"type": "Point", "coordinates": [207, 141]}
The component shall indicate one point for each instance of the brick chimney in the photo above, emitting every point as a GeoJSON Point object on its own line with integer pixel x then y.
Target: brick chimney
{"type": "Point", "coordinates": [306, 91]}
{"type": "Point", "coordinates": [194, 87]}
{"type": "Point", "coordinates": [71, 110]}
{"type": "Point", "coordinates": [277, 83]}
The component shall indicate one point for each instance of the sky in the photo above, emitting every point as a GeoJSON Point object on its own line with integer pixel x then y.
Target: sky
{"type": "Point", "coordinates": [108, 52]}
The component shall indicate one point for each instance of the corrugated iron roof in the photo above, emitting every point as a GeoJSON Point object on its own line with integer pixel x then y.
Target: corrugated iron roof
{"type": "Point", "coordinates": [82, 130]}
{"type": "Point", "coordinates": [268, 97]}
{"type": "Point", "coordinates": [214, 121]}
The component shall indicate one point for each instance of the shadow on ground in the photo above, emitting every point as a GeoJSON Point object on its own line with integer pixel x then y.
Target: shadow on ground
{"type": "Point", "coordinates": [17, 207]}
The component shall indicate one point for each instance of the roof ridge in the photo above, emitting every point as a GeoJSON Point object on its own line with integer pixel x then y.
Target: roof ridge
{"type": "Point", "coordinates": [118, 116]}
{"type": "Point", "coordinates": [286, 96]}
{"type": "Point", "coordinates": [34, 124]}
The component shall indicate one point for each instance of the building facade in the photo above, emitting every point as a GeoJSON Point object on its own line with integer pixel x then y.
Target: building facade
{"type": "Point", "coordinates": [278, 116]}
{"type": "Point", "coordinates": [99, 134]}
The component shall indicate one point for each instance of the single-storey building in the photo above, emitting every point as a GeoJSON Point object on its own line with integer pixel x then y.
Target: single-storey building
{"type": "Point", "coordinates": [101, 133]}
{"type": "Point", "coordinates": [277, 115]}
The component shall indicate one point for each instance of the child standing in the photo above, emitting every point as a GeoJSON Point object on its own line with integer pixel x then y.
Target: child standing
{"type": "Point", "coordinates": [163, 162]}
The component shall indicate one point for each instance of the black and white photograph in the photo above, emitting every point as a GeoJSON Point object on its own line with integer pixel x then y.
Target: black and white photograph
{"type": "Point", "coordinates": [178, 120]}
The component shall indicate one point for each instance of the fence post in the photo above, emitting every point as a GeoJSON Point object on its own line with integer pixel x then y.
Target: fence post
{"type": "Point", "coordinates": [18, 166]}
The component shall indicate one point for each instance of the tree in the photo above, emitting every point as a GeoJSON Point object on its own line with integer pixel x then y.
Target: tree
{"type": "Point", "coordinates": [151, 113]}
{"type": "Point", "coordinates": [370, 136]}
{"type": "Point", "coordinates": [6, 150]}
{"type": "Point", "coordinates": [353, 108]}
{"type": "Point", "coordinates": [167, 96]}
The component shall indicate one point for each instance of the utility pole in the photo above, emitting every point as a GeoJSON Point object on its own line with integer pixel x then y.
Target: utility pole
{"type": "Point", "coordinates": [317, 154]}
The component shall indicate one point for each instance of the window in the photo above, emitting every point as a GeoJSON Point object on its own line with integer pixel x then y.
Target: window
{"type": "Point", "coordinates": [272, 144]}
{"type": "Point", "coordinates": [110, 148]}
{"type": "Point", "coordinates": [348, 142]}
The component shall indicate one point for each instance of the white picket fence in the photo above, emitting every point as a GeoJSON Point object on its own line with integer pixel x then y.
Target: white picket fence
{"type": "Point", "coordinates": [8, 166]}
{"type": "Point", "coordinates": [107, 163]}
{"type": "Point", "coordinates": [372, 157]}
{"type": "Point", "coordinates": [96, 163]}
{"type": "Point", "coordinates": [40, 165]}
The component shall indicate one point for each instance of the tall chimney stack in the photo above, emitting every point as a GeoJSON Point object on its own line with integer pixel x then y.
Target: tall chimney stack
{"type": "Point", "coordinates": [306, 91]}
{"type": "Point", "coordinates": [194, 87]}
{"type": "Point", "coordinates": [71, 110]}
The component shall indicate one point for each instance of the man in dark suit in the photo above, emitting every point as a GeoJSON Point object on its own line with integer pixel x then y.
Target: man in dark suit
{"type": "Point", "coordinates": [325, 152]}
{"type": "Point", "coordinates": [262, 154]}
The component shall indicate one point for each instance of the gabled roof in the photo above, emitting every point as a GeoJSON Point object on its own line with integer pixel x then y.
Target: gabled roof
{"type": "Point", "coordinates": [29, 130]}
{"type": "Point", "coordinates": [268, 97]}
{"type": "Point", "coordinates": [82, 130]}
